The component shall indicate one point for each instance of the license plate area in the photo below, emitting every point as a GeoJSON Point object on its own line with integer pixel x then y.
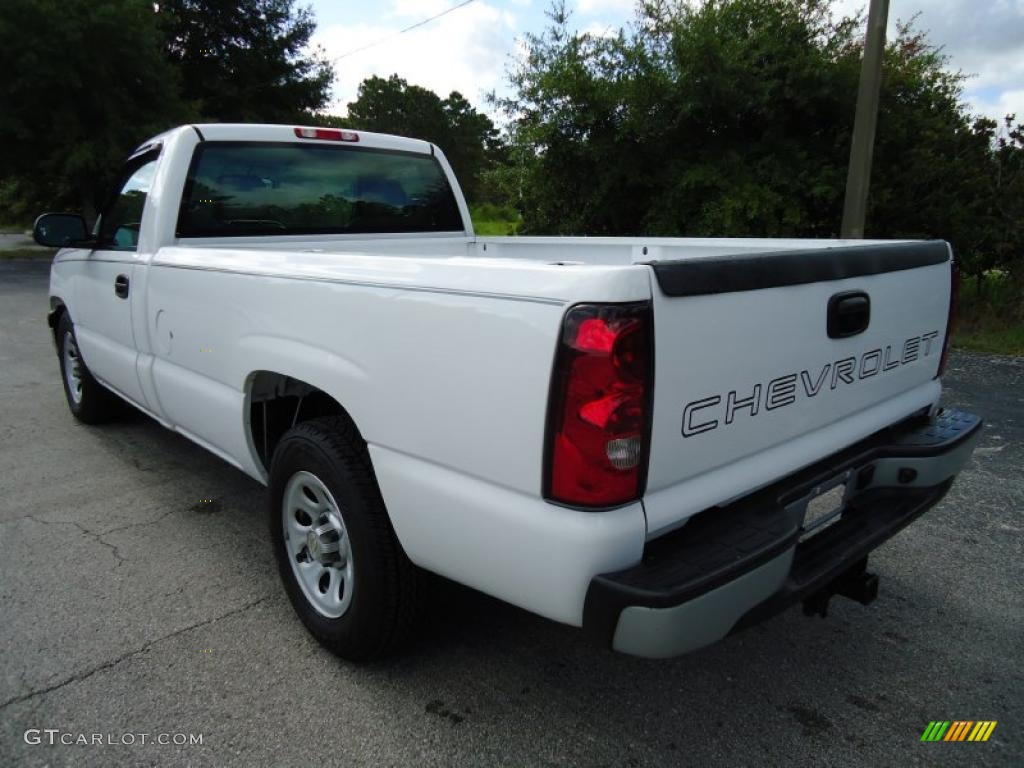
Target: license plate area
{"type": "Point", "coordinates": [823, 506]}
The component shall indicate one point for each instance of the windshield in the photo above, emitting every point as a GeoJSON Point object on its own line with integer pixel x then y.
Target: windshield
{"type": "Point", "coordinates": [237, 189]}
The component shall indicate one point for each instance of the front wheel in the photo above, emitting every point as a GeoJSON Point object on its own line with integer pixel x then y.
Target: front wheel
{"type": "Point", "coordinates": [89, 401]}
{"type": "Point", "coordinates": [347, 576]}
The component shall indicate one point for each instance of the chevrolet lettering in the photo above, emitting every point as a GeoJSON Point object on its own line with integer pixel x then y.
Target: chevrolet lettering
{"type": "Point", "coordinates": [784, 390]}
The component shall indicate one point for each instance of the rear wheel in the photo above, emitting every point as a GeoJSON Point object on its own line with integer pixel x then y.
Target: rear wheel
{"type": "Point", "coordinates": [89, 401]}
{"type": "Point", "coordinates": [342, 566]}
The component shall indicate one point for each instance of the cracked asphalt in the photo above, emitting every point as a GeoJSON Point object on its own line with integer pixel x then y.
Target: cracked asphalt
{"type": "Point", "coordinates": [130, 606]}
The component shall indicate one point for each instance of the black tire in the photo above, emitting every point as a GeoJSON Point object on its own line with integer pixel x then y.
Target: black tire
{"type": "Point", "coordinates": [385, 597]}
{"type": "Point", "coordinates": [95, 404]}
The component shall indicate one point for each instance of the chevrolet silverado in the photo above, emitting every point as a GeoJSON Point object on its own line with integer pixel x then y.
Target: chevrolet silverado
{"type": "Point", "coordinates": [659, 440]}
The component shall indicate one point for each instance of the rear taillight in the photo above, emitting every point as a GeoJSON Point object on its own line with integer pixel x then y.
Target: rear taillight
{"type": "Point", "coordinates": [954, 294]}
{"type": "Point", "coordinates": [600, 406]}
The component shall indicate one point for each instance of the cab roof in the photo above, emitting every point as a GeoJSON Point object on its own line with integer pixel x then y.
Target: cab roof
{"type": "Point", "coordinates": [290, 133]}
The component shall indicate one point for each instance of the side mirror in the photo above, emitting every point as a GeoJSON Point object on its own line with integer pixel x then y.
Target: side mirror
{"type": "Point", "coordinates": [57, 230]}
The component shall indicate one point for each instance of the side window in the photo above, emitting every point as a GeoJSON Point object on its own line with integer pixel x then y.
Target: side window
{"type": "Point", "coordinates": [120, 222]}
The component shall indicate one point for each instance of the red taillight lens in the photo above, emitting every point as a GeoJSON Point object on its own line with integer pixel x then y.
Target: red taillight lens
{"type": "Point", "coordinates": [599, 413]}
{"type": "Point", "coordinates": [326, 134]}
{"type": "Point", "coordinates": [954, 295]}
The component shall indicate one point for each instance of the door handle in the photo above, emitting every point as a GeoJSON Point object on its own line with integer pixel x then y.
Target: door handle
{"type": "Point", "coordinates": [121, 286]}
{"type": "Point", "coordinates": [848, 314]}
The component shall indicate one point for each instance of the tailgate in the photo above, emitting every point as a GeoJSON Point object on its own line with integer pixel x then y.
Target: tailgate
{"type": "Point", "coordinates": [766, 363]}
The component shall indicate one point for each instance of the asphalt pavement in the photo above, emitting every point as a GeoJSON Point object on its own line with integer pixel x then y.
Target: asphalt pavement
{"type": "Point", "coordinates": [12, 240]}
{"type": "Point", "coordinates": [131, 609]}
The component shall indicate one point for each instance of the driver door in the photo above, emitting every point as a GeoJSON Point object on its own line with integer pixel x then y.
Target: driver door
{"type": "Point", "coordinates": [103, 322]}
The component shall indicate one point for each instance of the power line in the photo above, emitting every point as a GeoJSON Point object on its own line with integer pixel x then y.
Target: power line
{"type": "Point", "coordinates": [463, 4]}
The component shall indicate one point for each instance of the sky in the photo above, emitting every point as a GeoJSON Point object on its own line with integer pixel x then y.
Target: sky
{"type": "Point", "coordinates": [470, 49]}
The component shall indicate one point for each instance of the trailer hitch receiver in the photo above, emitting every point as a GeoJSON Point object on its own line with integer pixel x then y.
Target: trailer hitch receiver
{"type": "Point", "coordinates": [855, 583]}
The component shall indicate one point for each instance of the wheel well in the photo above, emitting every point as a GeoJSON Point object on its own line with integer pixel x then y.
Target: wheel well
{"type": "Point", "coordinates": [57, 310]}
{"type": "Point", "coordinates": [277, 403]}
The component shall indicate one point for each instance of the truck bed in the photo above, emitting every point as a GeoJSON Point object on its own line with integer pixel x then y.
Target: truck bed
{"type": "Point", "coordinates": [576, 251]}
{"type": "Point", "coordinates": [733, 318]}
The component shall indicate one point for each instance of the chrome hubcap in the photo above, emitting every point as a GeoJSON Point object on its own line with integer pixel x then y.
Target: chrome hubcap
{"type": "Point", "coordinates": [72, 368]}
{"type": "Point", "coordinates": [317, 544]}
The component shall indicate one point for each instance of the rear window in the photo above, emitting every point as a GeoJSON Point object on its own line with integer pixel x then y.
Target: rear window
{"type": "Point", "coordinates": [238, 189]}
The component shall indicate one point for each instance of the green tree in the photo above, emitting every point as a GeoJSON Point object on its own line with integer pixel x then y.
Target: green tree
{"type": "Point", "coordinates": [467, 137]}
{"type": "Point", "coordinates": [86, 82]}
{"type": "Point", "coordinates": [1006, 209]}
{"type": "Point", "coordinates": [934, 162]}
{"type": "Point", "coordinates": [474, 143]}
{"type": "Point", "coordinates": [733, 118]}
{"type": "Point", "coordinates": [725, 118]}
{"type": "Point", "coordinates": [246, 60]}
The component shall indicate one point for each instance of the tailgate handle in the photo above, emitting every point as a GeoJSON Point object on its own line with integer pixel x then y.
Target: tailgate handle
{"type": "Point", "coordinates": [848, 314]}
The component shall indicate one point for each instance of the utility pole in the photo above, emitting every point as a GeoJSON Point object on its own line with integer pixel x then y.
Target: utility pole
{"type": "Point", "coordinates": [858, 178]}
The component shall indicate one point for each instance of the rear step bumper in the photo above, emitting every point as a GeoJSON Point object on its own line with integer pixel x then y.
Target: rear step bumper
{"type": "Point", "coordinates": [730, 567]}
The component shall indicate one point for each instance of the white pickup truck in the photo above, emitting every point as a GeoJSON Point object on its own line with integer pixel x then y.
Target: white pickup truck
{"type": "Point", "coordinates": [658, 440]}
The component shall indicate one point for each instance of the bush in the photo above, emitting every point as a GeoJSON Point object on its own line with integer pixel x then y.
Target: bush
{"type": "Point", "coordinates": [990, 314]}
{"type": "Point", "coordinates": [494, 219]}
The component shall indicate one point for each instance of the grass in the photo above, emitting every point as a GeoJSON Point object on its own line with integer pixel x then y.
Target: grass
{"type": "Point", "coordinates": [495, 227]}
{"type": "Point", "coordinates": [27, 253]}
{"type": "Point", "coordinates": [990, 320]}
{"type": "Point", "coordinates": [495, 220]}
{"type": "Point", "coordinates": [991, 341]}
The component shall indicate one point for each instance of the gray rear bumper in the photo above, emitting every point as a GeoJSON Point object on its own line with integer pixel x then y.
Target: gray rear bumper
{"type": "Point", "coordinates": [734, 566]}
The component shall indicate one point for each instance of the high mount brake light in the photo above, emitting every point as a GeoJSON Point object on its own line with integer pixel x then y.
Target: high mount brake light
{"type": "Point", "coordinates": [599, 411]}
{"type": "Point", "coordinates": [326, 134]}
{"type": "Point", "coordinates": [954, 294]}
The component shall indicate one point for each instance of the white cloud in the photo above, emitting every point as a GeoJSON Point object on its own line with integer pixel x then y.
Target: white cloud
{"type": "Point", "coordinates": [1005, 103]}
{"type": "Point", "coordinates": [465, 50]}
{"type": "Point", "coordinates": [623, 8]}
{"type": "Point", "coordinates": [982, 38]}
{"type": "Point", "coordinates": [600, 29]}
{"type": "Point", "coordinates": [419, 9]}
{"type": "Point", "coordinates": [468, 49]}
